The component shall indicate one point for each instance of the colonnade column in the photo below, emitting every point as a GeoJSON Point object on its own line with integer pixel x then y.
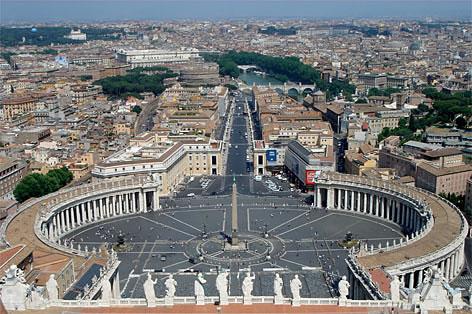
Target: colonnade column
{"type": "Point", "coordinates": [352, 200]}
{"type": "Point", "coordinates": [107, 207]}
{"type": "Point", "coordinates": [371, 204]}
{"type": "Point", "coordinates": [452, 270]}
{"type": "Point", "coordinates": [133, 203]}
{"type": "Point", "coordinates": [358, 201]}
{"type": "Point", "coordinates": [318, 197]}
{"type": "Point", "coordinates": [339, 199]}
{"type": "Point", "coordinates": [84, 215]}
{"type": "Point", "coordinates": [330, 198]}
{"type": "Point", "coordinates": [50, 231]}
{"type": "Point", "coordinates": [157, 204]}
{"type": "Point", "coordinates": [345, 199]}
{"type": "Point", "coordinates": [90, 211]}
{"type": "Point", "coordinates": [126, 203]}
{"type": "Point", "coordinates": [142, 201]}
{"type": "Point", "coordinates": [381, 206]}
{"type": "Point", "coordinates": [67, 219]}
{"type": "Point", "coordinates": [447, 268]}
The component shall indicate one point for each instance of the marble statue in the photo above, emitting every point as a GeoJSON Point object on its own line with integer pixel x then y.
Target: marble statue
{"type": "Point", "coordinates": [222, 287]}
{"type": "Point", "coordinates": [427, 275]}
{"type": "Point", "coordinates": [343, 287]}
{"type": "Point", "coordinates": [247, 288]}
{"type": "Point", "coordinates": [199, 290]}
{"type": "Point", "coordinates": [106, 290]}
{"type": "Point", "coordinates": [434, 296]}
{"type": "Point", "coordinates": [248, 284]}
{"type": "Point", "coordinates": [149, 291]}
{"type": "Point", "coordinates": [278, 286]}
{"type": "Point", "coordinates": [51, 287]}
{"type": "Point", "coordinates": [295, 287]}
{"type": "Point", "coordinates": [395, 289]}
{"type": "Point", "coordinates": [36, 299]}
{"type": "Point", "coordinates": [13, 290]}
{"type": "Point", "coordinates": [170, 285]}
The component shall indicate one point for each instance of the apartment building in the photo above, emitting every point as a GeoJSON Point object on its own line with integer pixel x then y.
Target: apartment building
{"type": "Point", "coordinates": [169, 162]}
{"type": "Point", "coordinates": [154, 57]}
{"type": "Point", "coordinates": [11, 172]}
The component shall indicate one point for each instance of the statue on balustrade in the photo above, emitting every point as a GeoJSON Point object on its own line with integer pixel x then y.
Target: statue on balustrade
{"type": "Point", "coordinates": [199, 289]}
{"type": "Point", "coordinates": [395, 289]}
{"type": "Point", "coordinates": [170, 284]}
{"type": "Point", "coordinates": [149, 291]}
{"type": "Point", "coordinates": [248, 285]}
{"type": "Point", "coordinates": [13, 289]}
{"type": "Point", "coordinates": [106, 290]}
{"type": "Point", "coordinates": [222, 286]}
{"type": "Point", "coordinates": [52, 288]}
{"type": "Point", "coordinates": [278, 286]}
{"type": "Point", "coordinates": [343, 287]}
{"type": "Point", "coordinates": [295, 287]}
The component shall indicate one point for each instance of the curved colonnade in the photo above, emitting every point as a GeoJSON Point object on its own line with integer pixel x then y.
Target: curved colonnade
{"type": "Point", "coordinates": [92, 203]}
{"type": "Point", "coordinates": [434, 229]}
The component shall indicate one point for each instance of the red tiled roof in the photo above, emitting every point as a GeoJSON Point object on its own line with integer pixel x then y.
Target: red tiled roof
{"type": "Point", "coordinates": [7, 254]}
{"type": "Point", "coordinates": [381, 278]}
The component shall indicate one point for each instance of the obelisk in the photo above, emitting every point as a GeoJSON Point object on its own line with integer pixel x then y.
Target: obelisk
{"type": "Point", "coordinates": [234, 215]}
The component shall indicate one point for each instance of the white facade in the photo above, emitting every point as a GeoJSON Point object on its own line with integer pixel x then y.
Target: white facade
{"type": "Point", "coordinates": [154, 57]}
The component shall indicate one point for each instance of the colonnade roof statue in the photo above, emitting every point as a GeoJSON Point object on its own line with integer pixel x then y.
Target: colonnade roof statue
{"type": "Point", "coordinates": [435, 293]}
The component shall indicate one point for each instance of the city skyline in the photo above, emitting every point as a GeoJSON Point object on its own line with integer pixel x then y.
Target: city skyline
{"type": "Point", "coordinates": [19, 11]}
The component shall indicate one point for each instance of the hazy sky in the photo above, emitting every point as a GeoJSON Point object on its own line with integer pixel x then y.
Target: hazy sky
{"type": "Point", "coordinates": [37, 11]}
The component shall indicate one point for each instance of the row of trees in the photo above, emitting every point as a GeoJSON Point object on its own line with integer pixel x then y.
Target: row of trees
{"type": "Point", "coordinates": [447, 109]}
{"type": "Point", "coordinates": [135, 82]}
{"type": "Point", "coordinates": [37, 185]}
{"type": "Point", "coordinates": [44, 36]}
{"type": "Point", "coordinates": [450, 108]}
{"type": "Point", "coordinates": [283, 68]}
{"type": "Point", "coordinates": [404, 130]}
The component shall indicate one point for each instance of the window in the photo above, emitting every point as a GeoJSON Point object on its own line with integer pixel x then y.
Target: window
{"type": "Point", "coordinates": [213, 160]}
{"type": "Point", "coordinates": [260, 159]}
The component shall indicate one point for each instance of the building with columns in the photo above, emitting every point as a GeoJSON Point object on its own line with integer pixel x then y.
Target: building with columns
{"type": "Point", "coordinates": [168, 162]}
{"type": "Point", "coordinates": [435, 230]}
{"type": "Point", "coordinates": [434, 233]}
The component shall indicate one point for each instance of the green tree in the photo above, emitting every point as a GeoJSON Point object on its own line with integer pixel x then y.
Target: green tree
{"type": "Point", "coordinates": [37, 185]}
{"type": "Point", "coordinates": [137, 109]}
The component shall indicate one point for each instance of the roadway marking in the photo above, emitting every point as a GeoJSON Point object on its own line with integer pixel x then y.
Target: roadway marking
{"type": "Point", "coordinates": [288, 261]}
{"type": "Point", "coordinates": [372, 221]}
{"type": "Point", "coordinates": [286, 222]}
{"type": "Point", "coordinates": [171, 265]}
{"type": "Point", "coordinates": [307, 223]}
{"type": "Point", "coordinates": [314, 250]}
{"type": "Point", "coordinates": [159, 223]}
{"type": "Point", "coordinates": [184, 223]}
{"type": "Point", "coordinates": [149, 254]}
{"type": "Point", "coordinates": [278, 209]}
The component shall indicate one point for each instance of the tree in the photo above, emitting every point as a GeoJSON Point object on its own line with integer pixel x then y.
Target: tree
{"type": "Point", "coordinates": [284, 68]}
{"type": "Point", "coordinates": [135, 82]}
{"type": "Point", "coordinates": [137, 109]}
{"type": "Point", "coordinates": [37, 185]}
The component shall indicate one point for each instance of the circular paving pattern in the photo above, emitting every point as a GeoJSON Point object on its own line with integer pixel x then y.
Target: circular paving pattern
{"type": "Point", "coordinates": [298, 241]}
{"type": "Point", "coordinates": [252, 249]}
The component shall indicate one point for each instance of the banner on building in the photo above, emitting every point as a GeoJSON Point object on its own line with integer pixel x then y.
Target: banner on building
{"type": "Point", "coordinates": [311, 175]}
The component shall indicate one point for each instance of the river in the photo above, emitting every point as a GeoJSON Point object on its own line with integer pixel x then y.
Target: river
{"type": "Point", "coordinates": [250, 77]}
